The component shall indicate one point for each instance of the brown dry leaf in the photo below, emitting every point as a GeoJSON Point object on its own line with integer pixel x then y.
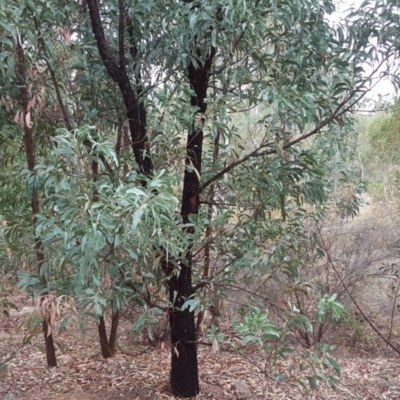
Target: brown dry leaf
{"type": "Point", "coordinates": [28, 120]}
{"type": "Point", "coordinates": [107, 281]}
{"type": "Point", "coordinates": [32, 72]}
{"type": "Point", "coordinates": [150, 288]}
{"type": "Point", "coordinates": [135, 276]}
{"type": "Point", "coordinates": [7, 101]}
{"type": "Point", "coordinates": [31, 103]}
{"type": "Point", "coordinates": [43, 306]}
{"type": "Point", "coordinates": [17, 119]}
{"type": "Point", "coordinates": [67, 36]}
{"type": "Point", "coordinates": [140, 372]}
{"type": "Point", "coordinates": [49, 330]}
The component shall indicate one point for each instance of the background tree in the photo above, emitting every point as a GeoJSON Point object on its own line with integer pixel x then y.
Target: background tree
{"type": "Point", "coordinates": [379, 154]}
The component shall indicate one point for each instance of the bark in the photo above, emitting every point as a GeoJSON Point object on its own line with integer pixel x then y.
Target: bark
{"type": "Point", "coordinates": [135, 110]}
{"type": "Point", "coordinates": [105, 349]}
{"type": "Point", "coordinates": [35, 205]}
{"type": "Point", "coordinates": [108, 345]}
{"type": "Point", "coordinates": [49, 345]}
{"type": "Point", "coordinates": [112, 341]}
{"type": "Point", "coordinates": [184, 367]}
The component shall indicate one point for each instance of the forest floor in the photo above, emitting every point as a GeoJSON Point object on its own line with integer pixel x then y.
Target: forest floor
{"type": "Point", "coordinates": [370, 370]}
{"type": "Point", "coordinates": [139, 371]}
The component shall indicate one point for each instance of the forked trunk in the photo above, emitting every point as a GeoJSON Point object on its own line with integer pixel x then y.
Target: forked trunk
{"type": "Point", "coordinates": [108, 346]}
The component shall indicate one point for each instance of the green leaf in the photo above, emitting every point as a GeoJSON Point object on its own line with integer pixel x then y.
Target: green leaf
{"type": "Point", "coordinates": [65, 323]}
{"type": "Point", "coordinates": [281, 378]}
{"type": "Point", "coordinates": [334, 365]}
{"type": "Point", "coordinates": [312, 382]}
{"type": "Point", "coordinates": [137, 216]}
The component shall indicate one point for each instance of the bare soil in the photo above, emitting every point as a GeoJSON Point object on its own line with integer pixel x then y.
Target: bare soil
{"type": "Point", "coordinates": [140, 371]}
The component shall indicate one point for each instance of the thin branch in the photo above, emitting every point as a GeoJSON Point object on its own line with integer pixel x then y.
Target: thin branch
{"type": "Point", "coordinates": [339, 111]}
{"type": "Point", "coordinates": [98, 31]}
{"type": "Point", "coordinates": [42, 46]}
{"type": "Point", "coordinates": [146, 297]}
{"type": "Point", "coordinates": [328, 256]}
{"type": "Point", "coordinates": [121, 31]}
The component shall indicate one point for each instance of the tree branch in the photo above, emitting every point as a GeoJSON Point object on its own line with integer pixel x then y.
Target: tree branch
{"type": "Point", "coordinates": [134, 108]}
{"type": "Point", "coordinates": [339, 111]}
{"type": "Point", "coordinates": [121, 31]}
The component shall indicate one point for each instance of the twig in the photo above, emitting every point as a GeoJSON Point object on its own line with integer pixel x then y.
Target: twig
{"type": "Point", "coordinates": [128, 353]}
{"type": "Point", "coordinates": [393, 308]}
{"type": "Point", "coordinates": [351, 296]}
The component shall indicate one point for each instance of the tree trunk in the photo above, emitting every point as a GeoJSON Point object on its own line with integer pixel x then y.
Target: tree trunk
{"type": "Point", "coordinates": [105, 349]}
{"type": "Point", "coordinates": [30, 155]}
{"type": "Point", "coordinates": [112, 341]}
{"type": "Point", "coordinates": [108, 346]}
{"type": "Point", "coordinates": [184, 367]}
{"type": "Point", "coordinates": [136, 113]}
{"type": "Point", "coordinates": [48, 340]}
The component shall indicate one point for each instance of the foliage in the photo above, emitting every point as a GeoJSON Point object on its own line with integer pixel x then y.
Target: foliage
{"type": "Point", "coordinates": [273, 343]}
{"type": "Point", "coordinates": [6, 304]}
{"type": "Point", "coordinates": [103, 251]}
{"type": "Point", "coordinates": [240, 112]}
{"type": "Point", "coordinates": [380, 156]}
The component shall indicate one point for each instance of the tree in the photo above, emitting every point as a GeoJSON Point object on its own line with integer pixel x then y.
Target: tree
{"type": "Point", "coordinates": [178, 75]}
{"type": "Point", "coordinates": [380, 156]}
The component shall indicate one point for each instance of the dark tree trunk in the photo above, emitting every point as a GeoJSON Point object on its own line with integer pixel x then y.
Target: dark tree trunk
{"type": "Point", "coordinates": [135, 110]}
{"type": "Point", "coordinates": [108, 346]}
{"type": "Point", "coordinates": [105, 349]}
{"type": "Point", "coordinates": [48, 340]}
{"type": "Point", "coordinates": [184, 367]}
{"type": "Point", "coordinates": [136, 114]}
{"type": "Point", "coordinates": [30, 155]}
{"type": "Point", "coordinates": [112, 341]}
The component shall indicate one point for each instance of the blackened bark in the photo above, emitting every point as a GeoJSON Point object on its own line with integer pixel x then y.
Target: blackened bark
{"type": "Point", "coordinates": [184, 367]}
{"type": "Point", "coordinates": [30, 155]}
{"type": "Point", "coordinates": [49, 345]}
{"type": "Point", "coordinates": [135, 110]}
{"type": "Point", "coordinates": [113, 332]}
{"type": "Point", "coordinates": [105, 348]}
{"type": "Point", "coordinates": [108, 346]}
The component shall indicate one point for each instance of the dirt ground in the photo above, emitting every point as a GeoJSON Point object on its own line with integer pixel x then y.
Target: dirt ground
{"type": "Point", "coordinates": [139, 371]}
